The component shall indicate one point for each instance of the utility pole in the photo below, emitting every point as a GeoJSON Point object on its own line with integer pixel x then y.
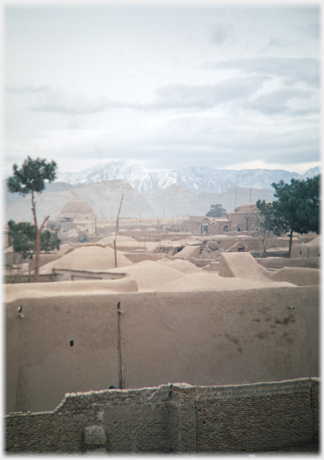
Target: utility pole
{"type": "Point", "coordinates": [250, 195]}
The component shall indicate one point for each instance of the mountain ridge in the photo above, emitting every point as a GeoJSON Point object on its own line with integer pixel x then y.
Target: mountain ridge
{"type": "Point", "coordinates": [104, 198]}
{"type": "Point", "coordinates": [196, 179]}
{"type": "Point", "coordinates": [197, 189]}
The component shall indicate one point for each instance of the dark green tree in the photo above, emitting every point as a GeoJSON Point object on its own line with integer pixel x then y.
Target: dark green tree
{"type": "Point", "coordinates": [296, 208]}
{"type": "Point", "coordinates": [31, 178]}
{"type": "Point", "coordinates": [216, 210]}
{"type": "Point", "coordinates": [22, 237]}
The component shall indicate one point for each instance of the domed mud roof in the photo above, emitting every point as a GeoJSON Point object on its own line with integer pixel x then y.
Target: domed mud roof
{"type": "Point", "coordinates": [78, 208]}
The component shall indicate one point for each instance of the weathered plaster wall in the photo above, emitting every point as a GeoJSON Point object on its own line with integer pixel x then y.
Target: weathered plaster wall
{"type": "Point", "coordinates": [173, 418]}
{"type": "Point", "coordinates": [299, 276]}
{"type": "Point", "coordinates": [305, 250]}
{"type": "Point", "coordinates": [203, 338]}
{"type": "Point", "coordinates": [280, 262]}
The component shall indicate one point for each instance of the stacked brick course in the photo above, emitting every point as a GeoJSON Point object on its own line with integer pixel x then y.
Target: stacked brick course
{"type": "Point", "coordinates": [173, 418]}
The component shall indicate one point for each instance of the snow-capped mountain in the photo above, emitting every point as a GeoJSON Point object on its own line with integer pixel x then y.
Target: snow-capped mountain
{"type": "Point", "coordinates": [141, 179]}
{"type": "Point", "coordinates": [196, 179]}
{"type": "Point", "coordinates": [309, 173]}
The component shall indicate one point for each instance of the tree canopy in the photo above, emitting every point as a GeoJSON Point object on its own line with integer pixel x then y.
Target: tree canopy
{"type": "Point", "coordinates": [22, 236]}
{"type": "Point", "coordinates": [296, 208]}
{"type": "Point", "coordinates": [216, 210]}
{"type": "Point", "coordinates": [30, 178]}
{"type": "Point", "coordinates": [298, 203]}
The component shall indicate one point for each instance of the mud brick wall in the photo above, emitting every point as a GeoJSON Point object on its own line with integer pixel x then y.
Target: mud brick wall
{"type": "Point", "coordinates": [137, 421]}
{"type": "Point", "coordinates": [133, 421]}
{"type": "Point", "coordinates": [182, 420]}
{"type": "Point", "coordinates": [258, 417]}
{"type": "Point", "coordinates": [316, 407]}
{"type": "Point", "coordinates": [173, 418]}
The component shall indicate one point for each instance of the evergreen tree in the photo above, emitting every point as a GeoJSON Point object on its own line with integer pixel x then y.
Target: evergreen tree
{"type": "Point", "coordinates": [30, 178]}
{"type": "Point", "coordinates": [22, 236]}
{"type": "Point", "coordinates": [299, 204]}
{"type": "Point", "coordinates": [296, 208]}
{"type": "Point", "coordinates": [216, 210]}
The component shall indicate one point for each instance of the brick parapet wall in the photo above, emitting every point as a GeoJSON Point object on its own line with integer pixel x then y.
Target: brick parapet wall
{"type": "Point", "coordinates": [173, 418]}
{"type": "Point", "coordinates": [256, 389]}
{"type": "Point", "coordinates": [251, 424]}
{"type": "Point", "coordinates": [183, 420]}
{"type": "Point", "coordinates": [316, 405]}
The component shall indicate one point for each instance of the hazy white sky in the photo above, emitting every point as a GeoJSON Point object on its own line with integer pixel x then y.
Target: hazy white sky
{"type": "Point", "coordinates": [167, 87]}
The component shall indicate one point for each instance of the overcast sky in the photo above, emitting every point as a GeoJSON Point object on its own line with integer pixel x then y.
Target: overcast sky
{"type": "Point", "coordinates": [168, 88]}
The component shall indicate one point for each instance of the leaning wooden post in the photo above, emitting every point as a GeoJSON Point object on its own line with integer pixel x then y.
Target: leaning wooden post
{"type": "Point", "coordinates": [115, 240]}
{"type": "Point", "coordinates": [120, 361]}
{"type": "Point", "coordinates": [290, 241]}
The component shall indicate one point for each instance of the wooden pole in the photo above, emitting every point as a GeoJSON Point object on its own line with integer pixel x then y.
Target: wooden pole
{"type": "Point", "coordinates": [290, 241]}
{"type": "Point", "coordinates": [158, 223]}
{"type": "Point", "coordinates": [115, 239]}
{"type": "Point", "coordinates": [235, 198]}
{"type": "Point", "coordinates": [115, 252]}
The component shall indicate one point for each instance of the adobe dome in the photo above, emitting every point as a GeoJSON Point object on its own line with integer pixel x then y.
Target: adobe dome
{"type": "Point", "coordinates": [248, 207]}
{"type": "Point", "coordinates": [77, 208]}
